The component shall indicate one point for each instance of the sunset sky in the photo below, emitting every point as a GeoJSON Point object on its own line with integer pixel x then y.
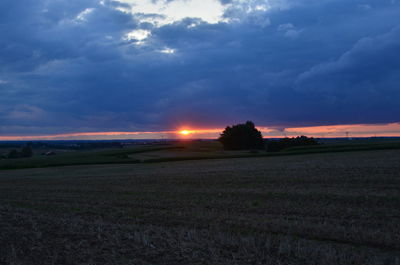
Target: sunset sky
{"type": "Point", "coordinates": [102, 69]}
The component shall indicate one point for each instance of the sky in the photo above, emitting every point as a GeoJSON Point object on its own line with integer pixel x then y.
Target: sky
{"type": "Point", "coordinates": [96, 69]}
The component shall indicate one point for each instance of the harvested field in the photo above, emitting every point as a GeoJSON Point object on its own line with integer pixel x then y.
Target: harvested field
{"type": "Point", "coordinates": [337, 208]}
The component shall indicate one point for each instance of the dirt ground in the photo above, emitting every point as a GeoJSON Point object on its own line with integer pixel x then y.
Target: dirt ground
{"type": "Point", "coordinates": [339, 208]}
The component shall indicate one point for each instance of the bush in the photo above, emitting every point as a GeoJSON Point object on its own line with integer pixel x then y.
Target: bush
{"type": "Point", "coordinates": [242, 137]}
{"type": "Point", "coordinates": [13, 154]}
{"type": "Point", "coordinates": [26, 151]}
{"type": "Point", "coordinates": [277, 145]}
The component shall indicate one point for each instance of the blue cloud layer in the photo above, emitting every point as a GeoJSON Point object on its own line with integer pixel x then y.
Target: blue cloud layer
{"type": "Point", "coordinates": [65, 66]}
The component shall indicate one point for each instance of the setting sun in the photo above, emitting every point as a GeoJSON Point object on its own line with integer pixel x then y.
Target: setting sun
{"type": "Point", "coordinates": [185, 132]}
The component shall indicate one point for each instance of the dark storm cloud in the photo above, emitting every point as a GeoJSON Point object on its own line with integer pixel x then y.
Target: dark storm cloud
{"type": "Point", "coordinates": [364, 81]}
{"type": "Point", "coordinates": [68, 66]}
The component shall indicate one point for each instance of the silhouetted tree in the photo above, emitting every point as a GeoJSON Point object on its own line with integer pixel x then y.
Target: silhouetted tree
{"type": "Point", "coordinates": [242, 137]}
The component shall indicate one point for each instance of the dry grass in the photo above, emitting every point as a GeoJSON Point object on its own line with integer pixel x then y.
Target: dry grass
{"type": "Point", "coordinates": [313, 209]}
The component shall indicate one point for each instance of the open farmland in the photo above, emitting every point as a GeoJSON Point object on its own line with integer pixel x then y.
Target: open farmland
{"type": "Point", "coordinates": [335, 208]}
{"type": "Point", "coordinates": [179, 151]}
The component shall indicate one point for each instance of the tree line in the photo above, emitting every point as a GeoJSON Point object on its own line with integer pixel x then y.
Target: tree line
{"type": "Point", "coordinates": [26, 151]}
{"type": "Point", "coordinates": [247, 137]}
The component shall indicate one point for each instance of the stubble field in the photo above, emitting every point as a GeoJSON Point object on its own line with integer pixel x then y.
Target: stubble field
{"type": "Point", "coordinates": [338, 208]}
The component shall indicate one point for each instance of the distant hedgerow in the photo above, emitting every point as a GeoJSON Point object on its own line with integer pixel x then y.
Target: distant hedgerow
{"type": "Point", "coordinates": [277, 145]}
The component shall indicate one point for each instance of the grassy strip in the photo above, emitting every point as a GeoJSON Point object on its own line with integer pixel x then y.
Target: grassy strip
{"type": "Point", "coordinates": [357, 146]}
{"type": "Point", "coordinates": [138, 151]}
{"type": "Point", "coordinates": [118, 156]}
{"type": "Point", "coordinates": [288, 152]}
{"type": "Point", "coordinates": [24, 166]}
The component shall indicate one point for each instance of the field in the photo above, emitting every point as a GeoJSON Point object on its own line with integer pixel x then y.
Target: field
{"type": "Point", "coordinates": [327, 208]}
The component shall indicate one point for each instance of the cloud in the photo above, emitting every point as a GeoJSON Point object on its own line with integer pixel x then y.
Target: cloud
{"type": "Point", "coordinates": [93, 66]}
{"type": "Point", "coordinates": [361, 79]}
{"type": "Point", "coordinates": [289, 30]}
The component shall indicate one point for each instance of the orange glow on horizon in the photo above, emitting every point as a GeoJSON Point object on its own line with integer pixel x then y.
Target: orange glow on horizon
{"type": "Point", "coordinates": [332, 131]}
{"type": "Point", "coordinates": [185, 132]}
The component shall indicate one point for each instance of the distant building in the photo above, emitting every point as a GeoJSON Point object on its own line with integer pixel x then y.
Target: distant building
{"type": "Point", "coordinates": [49, 153]}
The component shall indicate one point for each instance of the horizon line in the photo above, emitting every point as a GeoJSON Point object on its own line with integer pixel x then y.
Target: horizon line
{"type": "Point", "coordinates": [323, 131]}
